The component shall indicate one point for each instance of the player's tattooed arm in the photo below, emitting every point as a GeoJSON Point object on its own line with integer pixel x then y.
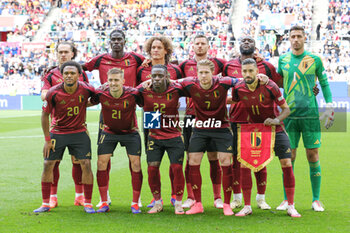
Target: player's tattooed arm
{"type": "Point", "coordinates": [45, 124]}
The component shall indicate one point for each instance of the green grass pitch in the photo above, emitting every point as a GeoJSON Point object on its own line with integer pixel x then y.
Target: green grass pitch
{"type": "Point", "coordinates": [21, 142]}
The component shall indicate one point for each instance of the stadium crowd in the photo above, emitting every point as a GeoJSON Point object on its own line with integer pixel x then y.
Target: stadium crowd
{"type": "Point", "coordinates": [86, 23]}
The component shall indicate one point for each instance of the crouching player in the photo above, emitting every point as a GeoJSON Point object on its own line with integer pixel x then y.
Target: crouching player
{"type": "Point", "coordinates": [67, 102]}
{"type": "Point", "coordinates": [120, 126]}
{"type": "Point", "coordinates": [163, 99]}
{"type": "Point", "coordinates": [261, 103]}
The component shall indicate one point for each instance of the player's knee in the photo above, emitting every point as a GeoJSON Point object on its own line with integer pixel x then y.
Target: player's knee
{"type": "Point", "coordinates": [312, 155]}
{"type": "Point", "coordinates": [225, 159]}
{"type": "Point", "coordinates": [153, 164]}
{"type": "Point", "coordinates": [286, 162]}
{"type": "Point", "coordinates": [212, 155]}
{"type": "Point", "coordinates": [101, 165]}
{"type": "Point", "coordinates": [135, 166]}
{"type": "Point", "coordinates": [48, 165]}
{"type": "Point", "coordinates": [74, 160]}
{"type": "Point", "coordinates": [85, 164]}
{"type": "Point", "coordinates": [294, 154]}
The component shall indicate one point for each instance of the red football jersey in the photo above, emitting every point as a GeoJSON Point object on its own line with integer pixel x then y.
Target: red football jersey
{"type": "Point", "coordinates": [119, 116]}
{"type": "Point", "coordinates": [209, 104]}
{"type": "Point", "coordinates": [233, 68]}
{"type": "Point", "coordinates": [54, 77]}
{"type": "Point", "coordinates": [167, 103]}
{"type": "Point", "coordinates": [261, 103]}
{"type": "Point", "coordinates": [129, 63]}
{"type": "Point", "coordinates": [189, 69]}
{"type": "Point", "coordinates": [69, 109]}
{"type": "Point", "coordinates": [145, 73]}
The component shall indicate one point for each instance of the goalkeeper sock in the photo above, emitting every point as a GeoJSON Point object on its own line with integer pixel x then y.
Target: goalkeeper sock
{"type": "Point", "coordinates": [315, 177]}
{"type": "Point", "coordinates": [284, 190]}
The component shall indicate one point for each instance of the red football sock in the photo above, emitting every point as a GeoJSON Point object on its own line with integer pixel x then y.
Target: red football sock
{"type": "Point", "coordinates": [236, 175]}
{"type": "Point", "coordinates": [190, 194]}
{"type": "Point", "coordinates": [215, 175]}
{"type": "Point", "coordinates": [246, 181]}
{"type": "Point", "coordinates": [154, 181]}
{"type": "Point", "coordinates": [77, 174]}
{"type": "Point", "coordinates": [289, 183]}
{"type": "Point", "coordinates": [136, 181]}
{"type": "Point", "coordinates": [196, 182]}
{"type": "Point", "coordinates": [102, 182]}
{"type": "Point", "coordinates": [227, 182]}
{"type": "Point", "coordinates": [171, 176]}
{"type": "Point", "coordinates": [56, 177]}
{"type": "Point", "coordinates": [179, 180]}
{"type": "Point", "coordinates": [87, 192]}
{"type": "Point", "coordinates": [261, 180]}
{"type": "Point", "coordinates": [45, 191]}
{"type": "Point", "coordinates": [109, 169]}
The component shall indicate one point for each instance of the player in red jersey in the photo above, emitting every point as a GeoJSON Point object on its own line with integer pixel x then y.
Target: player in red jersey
{"type": "Point", "coordinates": [160, 49]}
{"type": "Point", "coordinates": [189, 69]}
{"type": "Point", "coordinates": [65, 52]}
{"type": "Point", "coordinates": [120, 126]}
{"type": "Point", "coordinates": [67, 102]}
{"type": "Point", "coordinates": [209, 94]}
{"type": "Point", "coordinates": [260, 102]}
{"type": "Point", "coordinates": [127, 61]}
{"type": "Point", "coordinates": [163, 99]}
{"type": "Point", "coordinates": [239, 115]}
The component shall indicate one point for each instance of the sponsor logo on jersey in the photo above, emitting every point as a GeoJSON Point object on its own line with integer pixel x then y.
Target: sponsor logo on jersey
{"type": "Point", "coordinates": [150, 96]}
{"type": "Point", "coordinates": [235, 72]}
{"type": "Point", "coordinates": [63, 102]}
{"type": "Point", "coordinates": [197, 94]}
{"type": "Point", "coordinates": [106, 103]}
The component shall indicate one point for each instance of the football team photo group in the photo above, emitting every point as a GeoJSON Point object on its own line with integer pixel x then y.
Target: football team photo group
{"type": "Point", "coordinates": [153, 116]}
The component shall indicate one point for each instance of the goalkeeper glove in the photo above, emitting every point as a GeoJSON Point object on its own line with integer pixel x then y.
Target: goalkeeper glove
{"type": "Point", "coordinates": [328, 115]}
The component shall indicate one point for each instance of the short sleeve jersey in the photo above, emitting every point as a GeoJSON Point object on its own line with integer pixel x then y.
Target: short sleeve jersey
{"type": "Point", "coordinates": [211, 103]}
{"type": "Point", "coordinates": [167, 103]}
{"type": "Point", "coordinates": [233, 68]}
{"type": "Point", "coordinates": [145, 73]}
{"type": "Point", "coordinates": [54, 77]}
{"type": "Point", "coordinates": [261, 103]}
{"type": "Point", "coordinates": [189, 69]}
{"type": "Point", "coordinates": [119, 116]}
{"type": "Point", "coordinates": [69, 109]}
{"type": "Point", "coordinates": [299, 77]}
{"type": "Point", "coordinates": [129, 63]}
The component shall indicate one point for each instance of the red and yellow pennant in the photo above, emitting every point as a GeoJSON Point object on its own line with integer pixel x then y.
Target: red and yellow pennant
{"type": "Point", "coordinates": [255, 145]}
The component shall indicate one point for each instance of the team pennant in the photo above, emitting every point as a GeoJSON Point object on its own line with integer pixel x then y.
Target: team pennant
{"type": "Point", "coordinates": [255, 145]}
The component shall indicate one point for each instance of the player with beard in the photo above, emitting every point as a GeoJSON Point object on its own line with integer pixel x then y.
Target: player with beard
{"type": "Point", "coordinates": [260, 102]}
{"type": "Point", "coordinates": [189, 69]}
{"type": "Point", "coordinates": [238, 114]}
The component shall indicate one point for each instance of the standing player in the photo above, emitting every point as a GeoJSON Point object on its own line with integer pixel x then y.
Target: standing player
{"type": "Point", "coordinates": [160, 49]}
{"type": "Point", "coordinates": [209, 94]}
{"type": "Point", "coordinates": [120, 126]}
{"type": "Point", "coordinates": [260, 101]}
{"type": "Point", "coordinates": [127, 61]}
{"type": "Point", "coordinates": [163, 99]}
{"type": "Point", "coordinates": [67, 102]}
{"type": "Point", "coordinates": [238, 114]}
{"type": "Point", "coordinates": [65, 52]}
{"type": "Point", "coordinates": [300, 70]}
{"type": "Point", "coordinates": [189, 69]}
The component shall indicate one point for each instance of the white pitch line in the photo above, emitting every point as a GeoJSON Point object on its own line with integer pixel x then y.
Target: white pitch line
{"type": "Point", "coordinates": [32, 136]}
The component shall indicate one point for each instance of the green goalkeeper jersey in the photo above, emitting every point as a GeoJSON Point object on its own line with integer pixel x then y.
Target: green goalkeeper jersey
{"type": "Point", "coordinates": [299, 77]}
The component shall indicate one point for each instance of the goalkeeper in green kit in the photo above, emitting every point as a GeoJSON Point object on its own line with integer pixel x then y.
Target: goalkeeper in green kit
{"type": "Point", "coordinates": [300, 70]}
